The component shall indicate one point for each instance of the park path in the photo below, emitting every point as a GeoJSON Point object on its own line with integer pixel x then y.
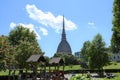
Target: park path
{"type": "Point", "coordinates": [69, 75]}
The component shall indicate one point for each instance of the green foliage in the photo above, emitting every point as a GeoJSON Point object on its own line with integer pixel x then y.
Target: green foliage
{"type": "Point", "coordinates": [113, 65]}
{"type": "Point", "coordinates": [25, 44]}
{"type": "Point", "coordinates": [24, 50]}
{"type": "Point", "coordinates": [85, 52]}
{"type": "Point", "coordinates": [69, 59]}
{"type": "Point", "coordinates": [3, 45]}
{"type": "Point", "coordinates": [117, 77]}
{"type": "Point", "coordinates": [47, 60]}
{"type": "Point", "coordinates": [115, 41]}
{"type": "Point", "coordinates": [98, 56]}
{"type": "Point", "coordinates": [21, 33]}
{"type": "Point", "coordinates": [6, 53]}
{"type": "Point", "coordinates": [78, 77]}
{"type": "Point", "coordinates": [84, 77]}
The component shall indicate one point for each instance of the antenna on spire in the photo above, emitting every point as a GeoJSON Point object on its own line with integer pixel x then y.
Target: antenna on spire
{"type": "Point", "coordinates": [63, 31]}
{"type": "Point", "coordinates": [63, 25]}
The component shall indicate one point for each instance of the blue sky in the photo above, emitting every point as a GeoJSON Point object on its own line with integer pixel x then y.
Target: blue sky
{"type": "Point", "coordinates": [84, 19]}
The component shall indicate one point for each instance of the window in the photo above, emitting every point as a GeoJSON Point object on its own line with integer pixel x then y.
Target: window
{"type": "Point", "coordinates": [114, 57]}
{"type": "Point", "coordinates": [118, 57]}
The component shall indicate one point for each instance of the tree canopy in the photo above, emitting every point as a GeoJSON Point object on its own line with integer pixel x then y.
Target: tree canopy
{"type": "Point", "coordinates": [3, 51]}
{"type": "Point", "coordinates": [69, 59]}
{"type": "Point", "coordinates": [115, 41]}
{"type": "Point", "coordinates": [19, 34]}
{"type": "Point", "coordinates": [85, 51]}
{"type": "Point", "coordinates": [25, 44]}
{"type": "Point", "coordinates": [98, 56]}
{"type": "Point", "coordinates": [6, 53]}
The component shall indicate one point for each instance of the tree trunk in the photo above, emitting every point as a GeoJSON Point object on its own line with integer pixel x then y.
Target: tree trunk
{"type": "Point", "coordinates": [9, 74]}
{"type": "Point", "coordinates": [101, 72]}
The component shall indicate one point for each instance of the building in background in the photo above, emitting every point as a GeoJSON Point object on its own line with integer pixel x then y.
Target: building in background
{"type": "Point", "coordinates": [64, 47]}
{"type": "Point", "coordinates": [77, 55]}
{"type": "Point", "coordinates": [115, 57]}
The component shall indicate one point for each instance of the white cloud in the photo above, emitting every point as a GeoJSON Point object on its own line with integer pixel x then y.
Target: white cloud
{"type": "Point", "coordinates": [29, 26]}
{"type": "Point", "coordinates": [12, 25]}
{"type": "Point", "coordinates": [48, 19]}
{"type": "Point", "coordinates": [44, 31]}
{"type": "Point", "coordinates": [91, 25]}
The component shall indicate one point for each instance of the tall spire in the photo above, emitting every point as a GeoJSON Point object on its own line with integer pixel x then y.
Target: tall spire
{"type": "Point", "coordinates": [63, 31]}
{"type": "Point", "coordinates": [64, 46]}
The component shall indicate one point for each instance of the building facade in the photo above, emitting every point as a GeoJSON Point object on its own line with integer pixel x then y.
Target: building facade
{"type": "Point", "coordinates": [77, 55]}
{"type": "Point", "coordinates": [115, 57]}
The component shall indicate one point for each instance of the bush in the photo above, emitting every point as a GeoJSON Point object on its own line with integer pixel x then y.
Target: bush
{"type": "Point", "coordinates": [77, 77]}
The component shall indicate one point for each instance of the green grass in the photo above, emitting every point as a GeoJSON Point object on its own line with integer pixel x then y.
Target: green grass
{"type": "Point", "coordinates": [70, 67]}
{"type": "Point", "coordinates": [5, 73]}
{"type": "Point", "coordinates": [113, 66]}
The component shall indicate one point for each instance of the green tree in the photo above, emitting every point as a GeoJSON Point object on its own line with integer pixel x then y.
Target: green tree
{"type": "Point", "coordinates": [47, 60]}
{"type": "Point", "coordinates": [115, 41]}
{"type": "Point", "coordinates": [25, 44]}
{"type": "Point", "coordinates": [69, 59]}
{"type": "Point", "coordinates": [3, 51]}
{"type": "Point", "coordinates": [19, 34]}
{"type": "Point", "coordinates": [84, 53]}
{"type": "Point", "coordinates": [98, 56]}
{"type": "Point", "coordinates": [6, 53]}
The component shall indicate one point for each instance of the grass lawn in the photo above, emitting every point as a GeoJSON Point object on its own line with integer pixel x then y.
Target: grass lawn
{"type": "Point", "coordinates": [113, 66]}
{"type": "Point", "coordinates": [4, 73]}
{"type": "Point", "coordinates": [70, 67]}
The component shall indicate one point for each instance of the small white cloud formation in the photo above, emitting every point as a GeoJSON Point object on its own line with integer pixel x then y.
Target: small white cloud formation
{"type": "Point", "coordinates": [91, 25]}
{"type": "Point", "coordinates": [12, 25]}
{"type": "Point", "coordinates": [29, 26]}
{"type": "Point", "coordinates": [48, 19]}
{"type": "Point", "coordinates": [44, 31]}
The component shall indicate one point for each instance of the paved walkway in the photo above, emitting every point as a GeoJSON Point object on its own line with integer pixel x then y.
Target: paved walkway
{"type": "Point", "coordinates": [69, 75]}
